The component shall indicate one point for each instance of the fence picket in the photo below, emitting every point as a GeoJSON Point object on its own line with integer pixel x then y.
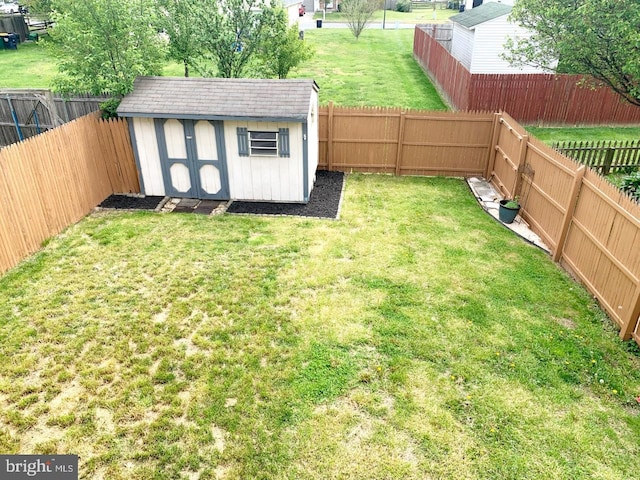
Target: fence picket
{"type": "Point", "coordinates": [603, 156]}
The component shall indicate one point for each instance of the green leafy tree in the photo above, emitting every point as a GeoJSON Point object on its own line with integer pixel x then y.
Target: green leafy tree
{"type": "Point", "coordinates": [600, 38]}
{"type": "Point", "coordinates": [103, 45]}
{"type": "Point", "coordinates": [178, 19]}
{"type": "Point", "coordinates": [281, 48]}
{"type": "Point", "coordinates": [359, 13]}
{"type": "Point", "coordinates": [230, 34]}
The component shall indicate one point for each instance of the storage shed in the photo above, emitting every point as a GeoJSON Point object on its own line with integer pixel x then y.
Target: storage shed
{"type": "Point", "coordinates": [216, 138]}
{"type": "Point", "coordinates": [479, 36]}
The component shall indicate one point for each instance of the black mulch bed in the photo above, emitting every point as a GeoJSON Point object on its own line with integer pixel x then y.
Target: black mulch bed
{"type": "Point", "coordinates": [323, 202]}
{"type": "Point", "coordinates": [129, 202]}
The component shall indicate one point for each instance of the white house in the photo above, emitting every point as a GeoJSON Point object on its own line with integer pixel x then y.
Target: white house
{"type": "Point", "coordinates": [479, 35]}
{"type": "Point", "coordinates": [218, 138]}
{"type": "Point", "coordinates": [292, 7]}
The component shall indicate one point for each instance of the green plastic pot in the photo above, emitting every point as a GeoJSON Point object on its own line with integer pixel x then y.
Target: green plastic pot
{"type": "Point", "coordinates": [507, 214]}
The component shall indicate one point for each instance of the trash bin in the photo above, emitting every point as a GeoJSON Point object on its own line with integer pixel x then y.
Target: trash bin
{"type": "Point", "coordinates": [10, 40]}
{"type": "Point", "coordinates": [318, 23]}
{"type": "Point", "coordinates": [462, 7]}
{"type": "Point", "coordinates": [301, 34]}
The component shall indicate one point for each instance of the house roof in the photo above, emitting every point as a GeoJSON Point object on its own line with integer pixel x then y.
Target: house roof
{"type": "Point", "coordinates": [483, 13]}
{"type": "Point", "coordinates": [219, 98]}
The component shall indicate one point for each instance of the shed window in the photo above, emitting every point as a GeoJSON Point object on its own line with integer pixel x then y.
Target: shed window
{"type": "Point", "coordinates": [264, 143]}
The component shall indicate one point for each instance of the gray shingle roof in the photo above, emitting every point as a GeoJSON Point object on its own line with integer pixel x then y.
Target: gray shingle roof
{"type": "Point", "coordinates": [483, 13]}
{"type": "Point", "coordinates": [218, 98]}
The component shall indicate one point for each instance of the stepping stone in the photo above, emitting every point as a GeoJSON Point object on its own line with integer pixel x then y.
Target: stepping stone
{"type": "Point", "coordinates": [188, 202]}
{"type": "Point", "coordinates": [207, 206]}
{"type": "Point", "coordinates": [181, 209]}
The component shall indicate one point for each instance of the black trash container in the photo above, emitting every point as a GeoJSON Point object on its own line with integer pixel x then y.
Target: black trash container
{"type": "Point", "coordinates": [10, 40]}
{"type": "Point", "coordinates": [462, 7]}
{"type": "Point", "coordinates": [318, 23]}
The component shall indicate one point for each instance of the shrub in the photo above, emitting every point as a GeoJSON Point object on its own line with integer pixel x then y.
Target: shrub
{"type": "Point", "coordinates": [631, 184]}
{"type": "Point", "coordinates": [403, 6]}
{"type": "Point", "coordinates": [108, 108]}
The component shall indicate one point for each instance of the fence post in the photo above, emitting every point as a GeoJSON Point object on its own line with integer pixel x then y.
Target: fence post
{"type": "Point", "coordinates": [493, 143]}
{"type": "Point", "coordinates": [522, 160]}
{"type": "Point", "coordinates": [608, 160]}
{"type": "Point", "coordinates": [571, 208]}
{"type": "Point", "coordinates": [330, 138]}
{"type": "Point", "coordinates": [632, 318]}
{"type": "Point", "coordinates": [400, 142]}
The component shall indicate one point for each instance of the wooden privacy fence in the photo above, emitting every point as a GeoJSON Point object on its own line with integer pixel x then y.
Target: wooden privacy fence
{"type": "Point", "coordinates": [593, 228]}
{"type": "Point", "coordinates": [51, 181]}
{"type": "Point", "coordinates": [404, 142]}
{"type": "Point", "coordinates": [604, 157]}
{"type": "Point", "coordinates": [527, 97]}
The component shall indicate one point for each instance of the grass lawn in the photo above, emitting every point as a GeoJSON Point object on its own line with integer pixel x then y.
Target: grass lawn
{"type": "Point", "coordinates": [30, 66]}
{"type": "Point", "coordinates": [587, 134]}
{"type": "Point", "coordinates": [414, 338]}
{"type": "Point", "coordinates": [416, 16]}
{"type": "Point", "coordinates": [378, 69]}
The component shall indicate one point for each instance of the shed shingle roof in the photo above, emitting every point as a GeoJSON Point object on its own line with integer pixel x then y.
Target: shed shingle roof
{"type": "Point", "coordinates": [481, 14]}
{"type": "Point", "coordinates": [218, 98]}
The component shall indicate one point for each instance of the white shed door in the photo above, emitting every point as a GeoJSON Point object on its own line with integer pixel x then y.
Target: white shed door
{"type": "Point", "coordinates": [193, 158]}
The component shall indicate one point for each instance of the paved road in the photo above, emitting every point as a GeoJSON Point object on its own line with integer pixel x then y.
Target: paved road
{"type": "Point", "coordinates": [307, 22]}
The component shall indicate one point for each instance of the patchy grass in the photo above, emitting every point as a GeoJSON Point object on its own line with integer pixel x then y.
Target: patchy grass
{"type": "Point", "coordinates": [413, 338]}
{"type": "Point", "coordinates": [378, 69]}
{"type": "Point", "coordinates": [585, 134]}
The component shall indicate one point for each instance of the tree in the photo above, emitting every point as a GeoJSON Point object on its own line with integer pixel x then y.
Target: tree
{"type": "Point", "coordinates": [231, 32]}
{"type": "Point", "coordinates": [103, 45]}
{"type": "Point", "coordinates": [359, 13]}
{"type": "Point", "coordinates": [179, 20]}
{"type": "Point", "coordinates": [281, 48]}
{"type": "Point", "coordinates": [600, 38]}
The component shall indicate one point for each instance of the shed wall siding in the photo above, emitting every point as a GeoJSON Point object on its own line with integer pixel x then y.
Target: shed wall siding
{"type": "Point", "coordinates": [462, 45]}
{"type": "Point", "coordinates": [148, 156]}
{"type": "Point", "coordinates": [488, 46]}
{"type": "Point", "coordinates": [265, 178]}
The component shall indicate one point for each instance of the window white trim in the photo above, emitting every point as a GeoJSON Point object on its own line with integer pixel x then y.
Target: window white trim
{"type": "Point", "coordinates": [263, 143]}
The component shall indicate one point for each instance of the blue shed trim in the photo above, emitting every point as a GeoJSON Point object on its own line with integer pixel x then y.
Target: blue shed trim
{"type": "Point", "coordinates": [283, 143]}
{"type": "Point", "coordinates": [222, 159]}
{"type": "Point", "coordinates": [134, 144]}
{"type": "Point", "coordinates": [305, 162]}
{"type": "Point", "coordinates": [243, 141]}
{"type": "Point", "coordinates": [188, 131]}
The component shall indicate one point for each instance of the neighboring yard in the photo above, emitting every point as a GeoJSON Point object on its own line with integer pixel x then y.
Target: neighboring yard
{"type": "Point", "coordinates": [31, 66]}
{"type": "Point", "coordinates": [414, 338]}
{"type": "Point", "coordinates": [587, 134]}
{"type": "Point", "coordinates": [376, 70]}
{"type": "Point", "coordinates": [416, 16]}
